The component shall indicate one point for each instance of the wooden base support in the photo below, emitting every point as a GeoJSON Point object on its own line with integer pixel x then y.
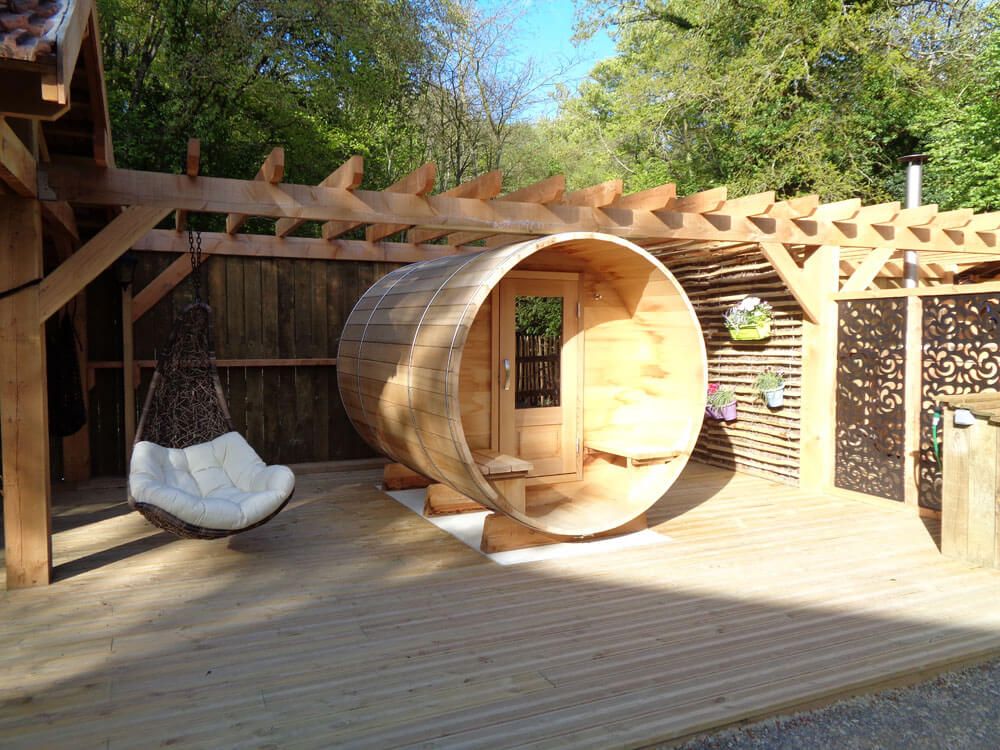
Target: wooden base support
{"type": "Point", "coordinates": [502, 533]}
{"type": "Point", "coordinates": [399, 477]}
{"type": "Point", "coordinates": [442, 500]}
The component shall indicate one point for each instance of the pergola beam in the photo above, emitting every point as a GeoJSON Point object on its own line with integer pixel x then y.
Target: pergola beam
{"type": "Point", "coordinates": [192, 166]}
{"type": "Point", "coordinates": [874, 214]}
{"type": "Point", "coordinates": [595, 196]}
{"type": "Point", "coordinates": [87, 263]}
{"type": "Point", "coordinates": [484, 187]}
{"type": "Point", "coordinates": [271, 171]}
{"type": "Point", "coordinates": [794, 277]}
{"type": "Point", "coordinates": [745, 206]}
{"type": "Point", "coordinates": [419, 182]}
{"type": "Point", "coordinates": [706, 200]}
{"type": "Point", "coordinates": [192, 162]}
{"type": "Point", "coordinates": [59, 215]}
{"type": "Point", "coordinates": [867, 270]}
{"type": "Point", "coordinates": [793, 208]}
{"type": "Point", "coordinates": [17, 163]}
{"type": "Point", "coordinates": [80, 184]}
{"type": "Point", "coordinates": [348, 176]}
{"type": "Point", "coordinates": [828, 212]}
{"type": "Point", "coordinates": [544, 192]}
{"type": "Point", "coordinates": [163, 284]}
{"type": "Point", "coordinates": [266, 246]}
{"type": "Point", "coordinates": [653, 199]}
{"type": "Point", "coordinates": [416, 180]}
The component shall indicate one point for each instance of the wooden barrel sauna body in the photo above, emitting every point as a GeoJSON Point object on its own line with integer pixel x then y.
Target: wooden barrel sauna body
{"type": "Point", "coordinates": [422, 375]}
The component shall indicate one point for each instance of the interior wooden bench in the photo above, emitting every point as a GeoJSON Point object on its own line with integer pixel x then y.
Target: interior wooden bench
{"type": "Point", "coordinates": [637, 451]}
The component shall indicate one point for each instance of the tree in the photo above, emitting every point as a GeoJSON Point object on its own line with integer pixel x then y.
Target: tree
{"type": "Point", "coordinates": [793, 95]}
{"type": "Point", "coordinates": [479, 91]}
{"type": "Point", "coordinates": [963, 129]}
{"type": "Point", "coordinates": [327, 79]}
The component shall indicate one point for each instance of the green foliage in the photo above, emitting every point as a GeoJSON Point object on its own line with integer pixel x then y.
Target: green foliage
{"type": "Point", "coordinates": [750, 311]}
{"type": "Point", "coordinates": [768, 380]}
{"type": "Point", "coordinates": [964, 132]}
{"type": "Point", "coordinates": [539, 316]}
{"type": "Point", "coordinates": [798, 96]}
{"type": "Point", "coordinates": [720, 395]}
{"type": "Point", "coordinates": [324, 79]}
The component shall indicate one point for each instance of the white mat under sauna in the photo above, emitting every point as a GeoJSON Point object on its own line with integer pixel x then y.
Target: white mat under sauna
{"type": "Point", "coordinates": [468, 529]}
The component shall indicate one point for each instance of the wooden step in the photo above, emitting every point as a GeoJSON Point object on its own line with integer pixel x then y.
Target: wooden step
{"type": "Point", "coordinates": [495, 465]}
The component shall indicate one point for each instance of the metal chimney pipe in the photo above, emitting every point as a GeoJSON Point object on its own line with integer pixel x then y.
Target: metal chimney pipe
{"type": "Point", "coordinates": [914, 197]}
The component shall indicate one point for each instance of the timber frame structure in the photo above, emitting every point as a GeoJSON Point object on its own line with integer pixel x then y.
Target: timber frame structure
{"type": "Point", "coordinates": [58, 180]}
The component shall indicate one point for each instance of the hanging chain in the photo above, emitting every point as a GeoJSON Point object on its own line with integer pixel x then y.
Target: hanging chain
{"type": "Point", "coordinates": [194, 247]}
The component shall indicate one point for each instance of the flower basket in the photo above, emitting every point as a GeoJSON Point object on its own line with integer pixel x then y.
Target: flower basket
{"type": "Point", "coordinates": [757, 332]}
{"type": "Point", "coordinates": [770, 384]}
{"type": "Point", "coordinates": [750, 320]}
{"type": "Point", "coordinates": [725, 413]}
{"type": "Point", "coordinates": [775, 398]}
{"type": "Point", "coordinates": [721, 402]}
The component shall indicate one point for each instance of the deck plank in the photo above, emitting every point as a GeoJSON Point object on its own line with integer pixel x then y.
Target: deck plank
{"type": "Point", "coordinates": [349, 622]}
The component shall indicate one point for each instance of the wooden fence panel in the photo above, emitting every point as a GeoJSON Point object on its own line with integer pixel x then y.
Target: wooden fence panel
{"type": "Point", "coordinates": [264, 309]}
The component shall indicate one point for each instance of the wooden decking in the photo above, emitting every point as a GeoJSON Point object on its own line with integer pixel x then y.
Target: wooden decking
{"type": "Point", "coordinates": [349, 622]}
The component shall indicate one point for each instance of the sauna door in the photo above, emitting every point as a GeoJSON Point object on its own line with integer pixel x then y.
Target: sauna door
{"type": "Point", "coordinates": [539, 371]}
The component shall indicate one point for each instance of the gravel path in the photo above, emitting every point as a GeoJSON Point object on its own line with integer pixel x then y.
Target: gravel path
{"type": "Point", "coordinates": [955, 711]}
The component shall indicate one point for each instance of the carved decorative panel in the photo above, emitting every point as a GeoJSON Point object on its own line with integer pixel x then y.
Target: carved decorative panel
{"type": "Point", "coordinates": [871, 359]}
{"type": "Point", "coordinates": [961, 354]}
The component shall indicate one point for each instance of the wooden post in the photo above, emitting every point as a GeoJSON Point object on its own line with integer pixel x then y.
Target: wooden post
{"type": "Point", "coordinates": [23, 403]}
{"type": "Point", "coordinates": [819, 371]}
{"type": "Point", "coordinates": [128, 372]}
{"type": "Point", "coordinates": [912, 398]}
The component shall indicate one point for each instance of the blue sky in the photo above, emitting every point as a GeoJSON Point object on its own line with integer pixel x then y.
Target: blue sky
{"type": "Point", "coordinates": [546, 35]}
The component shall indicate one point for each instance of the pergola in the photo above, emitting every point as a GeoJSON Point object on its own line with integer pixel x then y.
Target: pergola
{"type": "Point", "coordinates": [57, 173]}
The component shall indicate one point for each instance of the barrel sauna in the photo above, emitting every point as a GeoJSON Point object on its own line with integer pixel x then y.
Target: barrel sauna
{"type": "Point", "coordinates": [441, 368]}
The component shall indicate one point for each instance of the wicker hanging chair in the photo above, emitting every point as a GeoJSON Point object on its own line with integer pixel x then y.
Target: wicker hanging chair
{"type": "Point", "coordinates": [192, 473]}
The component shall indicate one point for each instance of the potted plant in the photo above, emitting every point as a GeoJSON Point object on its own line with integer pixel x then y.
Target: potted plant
{"type": "Point", "coordinates": [750, 320]}
{"type": "Point", "coordinates": [721, 402]}
{"type": "Point", "coordinates": [770, 384]}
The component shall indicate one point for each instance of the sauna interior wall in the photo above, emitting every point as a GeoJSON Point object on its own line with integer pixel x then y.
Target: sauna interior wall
{"type": "Point", "coordinates": [636, 367]}
{"type": "Point", "coordinates": [761, 441]}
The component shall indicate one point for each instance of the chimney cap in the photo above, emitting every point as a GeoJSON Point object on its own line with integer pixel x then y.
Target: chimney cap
{"type": "Point", "coordinates": [914, 159]}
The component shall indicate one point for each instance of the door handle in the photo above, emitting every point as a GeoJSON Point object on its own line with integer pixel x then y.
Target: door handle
{"type": "Point", "coordinates": [506, 374]}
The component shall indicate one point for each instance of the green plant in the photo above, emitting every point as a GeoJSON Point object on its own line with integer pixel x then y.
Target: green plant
{"type": "Point", "coordinates": [719, 396]}
{"type": "Point", "coordinates": [769, 380]}
{"type": "Point", "coordinates": [752, 311]}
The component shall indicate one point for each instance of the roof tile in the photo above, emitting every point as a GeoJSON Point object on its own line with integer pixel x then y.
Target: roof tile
{"type": "Point", "coordinates": [28, 28]}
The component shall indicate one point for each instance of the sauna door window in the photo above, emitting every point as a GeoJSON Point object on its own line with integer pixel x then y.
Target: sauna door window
{"type": "Point", "coordinates": [539, 373]}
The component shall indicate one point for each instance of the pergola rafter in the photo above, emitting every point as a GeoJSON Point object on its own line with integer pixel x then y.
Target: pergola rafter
{"type": "Point", "coordinates": [271, 171]}
{"type": "Point", "coordinates": [347, 176]}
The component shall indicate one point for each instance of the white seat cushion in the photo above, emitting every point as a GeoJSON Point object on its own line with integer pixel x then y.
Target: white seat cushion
{"type": "Point", "coordinates": [222, 484]}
